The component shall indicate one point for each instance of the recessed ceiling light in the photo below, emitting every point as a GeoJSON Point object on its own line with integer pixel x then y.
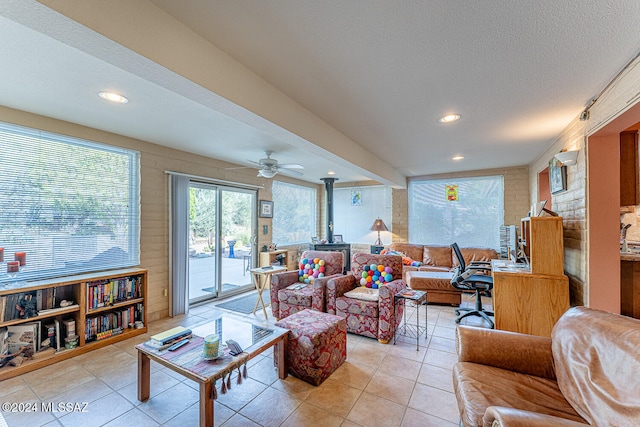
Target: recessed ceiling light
{"type": "Point", "coordinates": [457, 158]}
{"type": "Point", "coordinates": [113, 97]}
{"type": "Point", "coordinates": [449, 118]}
{"type": "Point", "coordinates": [331, 173]}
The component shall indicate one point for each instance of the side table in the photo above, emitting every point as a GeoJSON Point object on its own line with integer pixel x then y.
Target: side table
{"type": "Point", "coordinates": [415, 298]}
{"type": "Point", "coordinates": [262, 279]}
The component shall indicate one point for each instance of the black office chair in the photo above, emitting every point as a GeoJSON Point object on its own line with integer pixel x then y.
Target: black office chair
{"type": "Point", "coordinates": [465, 280]}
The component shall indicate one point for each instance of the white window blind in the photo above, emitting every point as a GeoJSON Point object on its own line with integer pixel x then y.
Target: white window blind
{"type": "Point", "coordinates": [356, 208]}
{"type": "Point", "coordinates": [294, 213]}
{"type": "Point", "coordinates": [468, 211]}
{"type": "Point", "coordinates": [73, 206]}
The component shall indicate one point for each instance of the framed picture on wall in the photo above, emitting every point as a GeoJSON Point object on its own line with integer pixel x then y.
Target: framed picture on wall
{"type": "Point", "coordinates": [266, 209]}
{"type": "Point", "coordinates": [557, 176]}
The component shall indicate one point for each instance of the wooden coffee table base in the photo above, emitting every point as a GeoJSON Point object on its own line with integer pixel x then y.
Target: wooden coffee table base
{"type": "Point", "coordinates": [206, 384]}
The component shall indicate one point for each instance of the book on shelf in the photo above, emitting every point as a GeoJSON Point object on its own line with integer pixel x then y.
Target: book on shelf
{"type": "Point", "coordinates": [23, 335]}
{"type": "Point", "coordinates": [170, 335]}
{"type": "Point", "coordinates": [4, 334]}
{"type": "Point", "coordinates": [47, 311]}
{"type": "Point", "coordinates": [105, 293]}
{"type": "Point", "coordinates": [50, 331]}
{"type": "Point", "coordinates": [56, 324]}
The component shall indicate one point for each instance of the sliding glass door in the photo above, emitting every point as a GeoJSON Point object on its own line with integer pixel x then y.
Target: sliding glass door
{"type": "Point", "coordinates": [222, 235]}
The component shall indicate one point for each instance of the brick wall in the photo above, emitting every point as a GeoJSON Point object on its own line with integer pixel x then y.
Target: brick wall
{"type": "Point", "coordinates": [570, 205]}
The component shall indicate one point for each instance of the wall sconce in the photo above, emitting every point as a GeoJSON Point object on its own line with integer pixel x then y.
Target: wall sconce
{"type": "Point", "coordinates": [567, 158]}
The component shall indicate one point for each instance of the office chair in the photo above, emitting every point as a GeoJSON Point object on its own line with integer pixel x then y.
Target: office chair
{"type": "Point", "coordinates": [465, 280]}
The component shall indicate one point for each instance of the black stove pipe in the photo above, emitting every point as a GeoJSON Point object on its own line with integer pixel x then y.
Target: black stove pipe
{"type": "Point", "coordinates": [328, 185]}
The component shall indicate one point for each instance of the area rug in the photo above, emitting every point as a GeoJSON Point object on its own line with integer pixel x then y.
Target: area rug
{"type": "Point", "coordinates": [245, 304]}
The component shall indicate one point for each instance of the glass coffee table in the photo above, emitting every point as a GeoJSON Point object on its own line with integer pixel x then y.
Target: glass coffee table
{"type": "Point", "coordinates": [254, 337]}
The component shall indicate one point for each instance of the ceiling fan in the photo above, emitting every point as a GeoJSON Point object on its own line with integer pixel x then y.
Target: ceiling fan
{"type": "Point", "coordinates": [268, 167]}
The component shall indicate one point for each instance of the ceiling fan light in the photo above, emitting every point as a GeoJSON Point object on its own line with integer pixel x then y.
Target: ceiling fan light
{"type": "Point", "coordinates": [267, 173]}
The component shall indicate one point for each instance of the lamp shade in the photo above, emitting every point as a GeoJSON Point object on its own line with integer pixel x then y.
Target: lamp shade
{"type": "Point", "coordinates": [379, 225]}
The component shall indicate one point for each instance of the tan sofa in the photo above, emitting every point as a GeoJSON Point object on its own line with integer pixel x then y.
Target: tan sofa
{"type": "Point", "coordinates": [588, 372]}
{"type": "Point", "coordinates": [437, 259]}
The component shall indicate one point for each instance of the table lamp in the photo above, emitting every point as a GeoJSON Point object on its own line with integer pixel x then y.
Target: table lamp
{"type": "Point", "coordinates": [378, 225]}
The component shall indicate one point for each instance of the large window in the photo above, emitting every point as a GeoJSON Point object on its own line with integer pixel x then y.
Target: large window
{"type": "Point", "coordinates": [72, 206]}
{"type": "Point", "coordinates": [294, 213]}
{"type": "Point", "coordinates": [356, 208]}
{"type": "Point", "coordinates": [468, 211]}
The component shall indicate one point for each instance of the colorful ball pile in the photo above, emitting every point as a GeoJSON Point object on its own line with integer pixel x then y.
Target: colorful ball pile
{"type": "Point", "coordinates": [375, 275]}
{"type": "Point", "coordinates": [310, 269]}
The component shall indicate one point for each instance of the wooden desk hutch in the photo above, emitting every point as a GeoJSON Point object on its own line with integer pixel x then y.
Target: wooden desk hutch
{"type": "Point", "coordinates": [531, 300]}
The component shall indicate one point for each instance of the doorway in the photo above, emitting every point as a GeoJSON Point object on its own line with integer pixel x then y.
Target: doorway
{"type": "Point", "coordinates": [222, 239]}
{"type": "Point", "coordinates": [544, 190]}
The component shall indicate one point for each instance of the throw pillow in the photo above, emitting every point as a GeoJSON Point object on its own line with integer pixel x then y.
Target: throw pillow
{"type": "Point", "coordinates": [375, 275]}
{"type": "Point", "coordinates": [363, 293]}
{"type": "Point", "coordinates": [310, 269]}
{"type": "Point", "coordinates": [405, 259]}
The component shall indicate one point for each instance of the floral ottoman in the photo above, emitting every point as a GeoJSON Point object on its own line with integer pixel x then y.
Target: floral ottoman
{"type": "Point", "coordinates": [317, 344]}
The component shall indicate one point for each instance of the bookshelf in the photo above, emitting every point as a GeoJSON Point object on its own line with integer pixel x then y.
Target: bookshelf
{"type": "Point", "coordinates": [269, 258]}
{"type": "Point", "coordinates": [101, 302]}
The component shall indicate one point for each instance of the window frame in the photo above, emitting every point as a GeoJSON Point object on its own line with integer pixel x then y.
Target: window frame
{"type": "Point", "coordinates": [413, 200]}
{"type": "Point", "coordinates": [42, 151]}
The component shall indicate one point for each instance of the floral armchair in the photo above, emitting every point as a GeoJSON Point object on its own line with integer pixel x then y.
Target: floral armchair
{"type": "Point", "coordinates": [285, 301]}
{"type": "Point", "coordinates": [375, 318]}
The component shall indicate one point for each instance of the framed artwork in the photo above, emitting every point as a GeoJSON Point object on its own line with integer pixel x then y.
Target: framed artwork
{"type": "Point", "coordinates": [557, 176]}
{"type": "Point", "coordinates": [356, 197]}
{"type": "Point", "coordinates": [337, 238]}
{"type": "Point", "coordinates": [315, 240]}
{"type": "Point", "coordinates": [266, 209]}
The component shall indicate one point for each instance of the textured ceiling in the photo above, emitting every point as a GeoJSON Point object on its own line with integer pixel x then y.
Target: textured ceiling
{"type": "Point", "coordinates": [378, 72]}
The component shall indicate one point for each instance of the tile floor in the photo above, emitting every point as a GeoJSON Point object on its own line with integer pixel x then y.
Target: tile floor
{"type": "Point", "coordinates": [378, 385]}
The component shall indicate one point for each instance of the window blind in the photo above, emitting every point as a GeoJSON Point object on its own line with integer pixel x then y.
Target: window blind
{"type": "Point", "coordinates": [468, 211]}
{"type": "Point", "coordinates": [294, 213]}
{"type": "Point", "coordinates": [72, 206]}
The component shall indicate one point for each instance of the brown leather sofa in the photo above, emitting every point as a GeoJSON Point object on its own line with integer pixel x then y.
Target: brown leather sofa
{"type": "Point", "coordinates": [588, 372]}
{"type": "Point", "coordinates": [441, 258]}
{"type": "Point", "coordinates": [438, 259]}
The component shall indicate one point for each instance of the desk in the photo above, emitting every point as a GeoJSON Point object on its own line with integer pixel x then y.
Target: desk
{"type": "Point", "coordinates": [262, 279]}
{"type": "Point", "coordinates": [526, 302]}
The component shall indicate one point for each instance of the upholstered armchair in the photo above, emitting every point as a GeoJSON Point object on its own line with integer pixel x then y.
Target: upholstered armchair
{"type": "Point", "coordinates": [285, 302]}
{"type": "Point", "coordinates": [374, 318]}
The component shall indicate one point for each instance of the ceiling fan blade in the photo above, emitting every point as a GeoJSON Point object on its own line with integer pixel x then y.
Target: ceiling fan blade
{"type": "Point", "coordinates": [239, 167]}
{"type": "Point", "coordinates": [291, 171]}
{"type": "Point", "coordinates": [290, 166]}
